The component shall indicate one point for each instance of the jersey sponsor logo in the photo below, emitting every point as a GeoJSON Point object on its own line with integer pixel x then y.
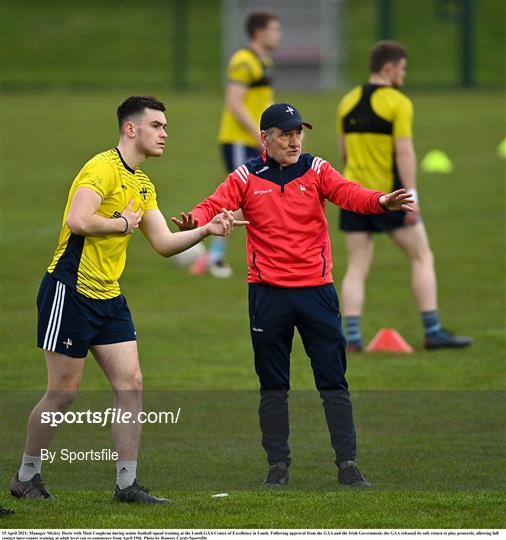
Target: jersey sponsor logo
{"type": "Point", "coordinates": [263, 169]}
{"type": "Point", "coordinates": [262, 191]}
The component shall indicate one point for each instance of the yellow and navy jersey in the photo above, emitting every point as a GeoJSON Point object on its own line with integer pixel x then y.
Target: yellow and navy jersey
{"type": "Point", "coordinates": [370, 118]}
{"type": "Point", "coordinates": [92, 265]}
{"type": "Point", "coordinates": [248, 69]}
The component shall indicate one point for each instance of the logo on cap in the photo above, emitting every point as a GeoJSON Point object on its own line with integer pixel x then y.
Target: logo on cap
{"type": "Point", "coordinates": [277, 116]}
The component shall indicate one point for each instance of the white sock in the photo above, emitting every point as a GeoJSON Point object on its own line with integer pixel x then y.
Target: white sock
{"type": "Point", "coordinates": [30, 466]}
{"type": "Point", "coordinates": [125, 473]}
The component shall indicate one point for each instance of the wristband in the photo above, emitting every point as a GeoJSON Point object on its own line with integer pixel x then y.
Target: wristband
{"type": "Point", "coordinates": [414, 194]}
{"type": "Point", "coordinates": [126, 224]}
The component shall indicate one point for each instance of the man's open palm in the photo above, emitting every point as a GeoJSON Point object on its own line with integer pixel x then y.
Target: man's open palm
{"type": "Point", "coordinates": [186, 223]}
{"type": "Point", "coordinates": [397, 200]}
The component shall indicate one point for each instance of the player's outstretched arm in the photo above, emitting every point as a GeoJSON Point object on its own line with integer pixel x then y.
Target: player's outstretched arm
{"type": "Point", "coordinates": [83, 219]}
{"type": "Point", "coordinates": [189, 222]}
{"type": "Point", "coordinates": [155, 229]}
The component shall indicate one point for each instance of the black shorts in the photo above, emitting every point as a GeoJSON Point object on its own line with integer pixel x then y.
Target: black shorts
{"type": "Point", "coordinates": [235, 155]}
{"type": "Point", "coordinates": [373, 223]}
{"type": "Point", "coordinates": [70, 323]}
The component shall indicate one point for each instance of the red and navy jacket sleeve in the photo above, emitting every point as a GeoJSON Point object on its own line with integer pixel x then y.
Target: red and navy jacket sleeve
{"type": "Point", "coordinates": [229, 195]}
{"type": "Point", "coordinates": [345, 193]}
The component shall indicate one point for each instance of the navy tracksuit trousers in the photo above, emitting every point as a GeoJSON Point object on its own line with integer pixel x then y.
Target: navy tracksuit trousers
{"type": "Point", "coordinates": [274, 314]}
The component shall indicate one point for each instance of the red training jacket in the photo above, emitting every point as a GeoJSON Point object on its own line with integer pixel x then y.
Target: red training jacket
{"type": "Point", "coordinates": [288, 242]}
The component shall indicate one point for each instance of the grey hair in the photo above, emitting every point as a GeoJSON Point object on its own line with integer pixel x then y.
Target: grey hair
{"type": "Point", "coordinates": [269, 132]}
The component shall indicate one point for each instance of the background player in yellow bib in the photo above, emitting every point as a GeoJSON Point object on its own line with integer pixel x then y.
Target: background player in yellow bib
{"type": "Point", "coordinates": [248, 93]}
{"type": "Point", "coordinates": [80, 305]}
{"type": "Point", "coordinates": [376, 143]}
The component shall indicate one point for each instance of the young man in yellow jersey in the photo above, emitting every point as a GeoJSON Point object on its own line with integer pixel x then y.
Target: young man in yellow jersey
{"type": "Point", "coordinates": [248, 93]}
{"type": "Point", "coordinates": [375, 141]}
{"type": "Point", "coordinates": [80, 305]}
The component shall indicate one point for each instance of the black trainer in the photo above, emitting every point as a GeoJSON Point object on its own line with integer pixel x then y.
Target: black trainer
{"type": "Point", "coordinates": [350, 476]}
{"type": "Point", "coordinates": [31, 489]}
{"type": "Point", "coordinates": [5, 511]}
{"type": "Point", "coordinates": [445, 339]}
{"type": "Point", "coordinates": [277, 476]}
{"type": "Point", "coordinates": [137, 494]}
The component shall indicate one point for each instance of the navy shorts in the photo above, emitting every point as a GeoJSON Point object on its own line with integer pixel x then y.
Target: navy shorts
{"type": "Point", "coordinates": [373, 223]}
{"type": "Point", "coordinates": [235, 155]}
{"type": "Point", "coordinates": [70, 323]}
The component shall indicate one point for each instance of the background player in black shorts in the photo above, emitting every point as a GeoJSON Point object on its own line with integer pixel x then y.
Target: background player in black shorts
{"type": "Point", "coordinates": [375, 140]}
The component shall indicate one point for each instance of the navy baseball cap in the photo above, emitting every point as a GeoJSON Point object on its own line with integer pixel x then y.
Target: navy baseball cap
{"type": "Point", "coordinates": [282, 116]}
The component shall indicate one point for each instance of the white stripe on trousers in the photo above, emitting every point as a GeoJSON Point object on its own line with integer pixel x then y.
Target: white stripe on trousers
{"type": "Point", "coordinates": [55, 318]}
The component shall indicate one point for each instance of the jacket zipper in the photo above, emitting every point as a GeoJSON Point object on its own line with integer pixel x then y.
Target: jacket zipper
{"type": "Point", "coordinates": [324, 261]}
{"type": "Point", "coordinates": [255, 265]}
{"type": "Point", "coordinates": [281, 179]}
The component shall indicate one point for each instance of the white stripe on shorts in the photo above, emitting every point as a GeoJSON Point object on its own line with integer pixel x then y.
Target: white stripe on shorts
{"type": "Point", "coordinates": [54, 318]}
{"type": "Point", "coordinates": [58, 317]}
{"type": "Point", "coordinates": [238, 155]}
{"type": "Point", "coordinates": [51, 316]}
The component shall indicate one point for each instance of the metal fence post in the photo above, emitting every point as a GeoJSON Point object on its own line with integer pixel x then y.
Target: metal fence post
{"type": "Point", "coordinates": [467, 24]}
{"type": "Point", "coordinates": [385, 19]}
{"type": "Point", "coordinates": [180, 43]}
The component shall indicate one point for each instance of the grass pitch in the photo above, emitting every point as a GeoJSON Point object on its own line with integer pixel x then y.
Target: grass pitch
{"type": "Point", "coordinates": [430, 425]}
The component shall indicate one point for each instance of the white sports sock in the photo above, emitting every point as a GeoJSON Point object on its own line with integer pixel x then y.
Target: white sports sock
{"type": "Point", "coordinates": [30, 466]}
{"type": "Point", "coordinates": [125, 473]}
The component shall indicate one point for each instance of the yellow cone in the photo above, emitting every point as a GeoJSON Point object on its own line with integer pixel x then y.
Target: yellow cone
{"type": "Point", "coordinates": [436, 161]}
{"type": "Point", "coordinates": [501, 149]}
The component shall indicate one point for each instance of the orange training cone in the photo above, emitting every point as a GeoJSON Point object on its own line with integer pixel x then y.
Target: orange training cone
{"type": "Point", "coordinates": [389, 340]}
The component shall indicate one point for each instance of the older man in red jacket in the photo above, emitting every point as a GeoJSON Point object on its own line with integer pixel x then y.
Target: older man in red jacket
{"type": "Point", "coordinates": [283, 194]}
